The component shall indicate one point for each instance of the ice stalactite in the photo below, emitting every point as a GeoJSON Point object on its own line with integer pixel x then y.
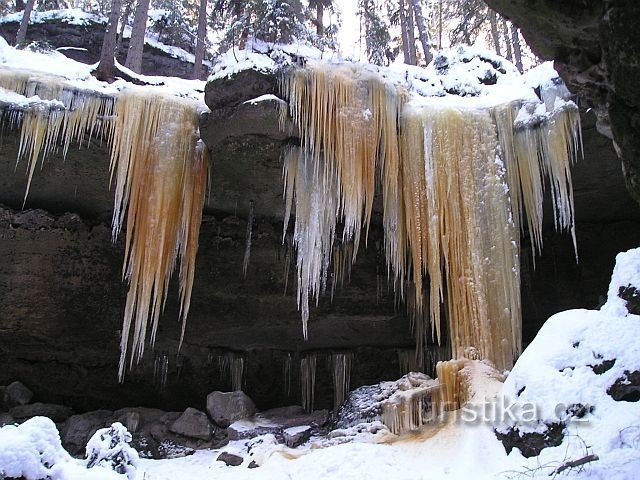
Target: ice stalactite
{"type": "Point", "coordinates": [407, 361]}
{"type": "Point", "coordinates": [341, 262]}
{"type": "Point", "coordinates": [453, 386]}
{"type": "Point", "coordinates": [237, 373]}
{"type": "Point", "coordinates": [160, 369]}
{"type": "Point", "coordinates": [314, 229]}
{"type": "Point", "coordinates": [308, 380]}
{"type": "Point", "coordinates": [287, 370]}
{"type": "Point", "coordinates": [412, 405]}
{"type": "Point", "coordinates": [341, 366]}
{"type": "Point", "coordinates": [247, 240]}
{"type": "Point", "coordinates": [456, 183]}
{"type": "Point", "coordinates": [59, 114]}
{"type": "Point", "coordinates": [160, 170]}
{"type": "Point", "coordinates": [232, 367]}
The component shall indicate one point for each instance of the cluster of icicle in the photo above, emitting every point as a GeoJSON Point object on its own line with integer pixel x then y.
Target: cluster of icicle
{"type": "Point", "coordinates": [160, 171]}
{"type": "Point", "coordinates": [420, 399]}
{"type": "Point", "coordinates": [456, 185]}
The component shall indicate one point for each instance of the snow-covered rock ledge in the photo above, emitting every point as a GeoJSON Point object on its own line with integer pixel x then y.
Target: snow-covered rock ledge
{"type": "Point", "coordinates": [577, 385]}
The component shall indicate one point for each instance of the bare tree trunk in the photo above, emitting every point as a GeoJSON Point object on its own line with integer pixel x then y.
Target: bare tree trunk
{"type": "Point", "coordinates": [405, 34]}
{"type": "Point", "coordinates": [440, 26]}
{"type": "Point", "coordinates": [320, 18]}
{"type": "Point", "coordinates": [494, 31]}
{"type": "Point", "coordinates": [200, 42]}
{"type": "Point", "coordinates": [507, 39]}
{"type": "Point", "coordinates": [21, 36]}
{"type": "Point", "coordinates": [124, 22]}
{"type": "Point", "coordinates": [517, 52]}
{"type": "Point", "coordinates": [412, 36]}
{"type": "Point", "coordinates": [136, 42]}
{"type": "Point", "coordinates": [423, 31]}
{"type": "Point", "coordinates": [106, 68]}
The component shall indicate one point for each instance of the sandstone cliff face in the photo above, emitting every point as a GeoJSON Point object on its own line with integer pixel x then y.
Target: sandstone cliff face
{"type": "Point", "coordinates": [62, 296]}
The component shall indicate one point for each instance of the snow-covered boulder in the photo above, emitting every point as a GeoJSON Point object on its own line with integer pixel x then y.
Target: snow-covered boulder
{"type": "Point", "coordinates": [367, 404]}
{"type": "Point", "coordinates": [571, 380]}
{"type": "Point", "coordinates": [32, 450]}
{"type": "Point", "coordinates": [109, 448]}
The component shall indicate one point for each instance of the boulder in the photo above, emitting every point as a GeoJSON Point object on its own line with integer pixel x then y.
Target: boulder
{"type": "Point", "coordinates": [138, 418]}
{"type": "Point", "coordinates": [626, 388]}
{"type": "Point", "coordinates": [253, 427]}
{"type": "Point", "coordinates": [531, 444]}
{"type": "Point", "coordinates": [78, 429]}
{"type": "Point", "coordinates": [194, 424]}
{"type": "Point", "coordinates": [224, 408]}
{"type": "Point", "coordinates": [296, 416]}
{"type": "Point", "coordinates": [57, 413]}
{"type": "Point", "coordinates": [17, 394]}
{"type": "Point", "coordinates": [230, 459]}
{"type": "Point", "coordinates": [6, 419]}
{"type": "Point", "coordinates": [276, 421]}
{"type": "Point", "coordinates": [296, 436]}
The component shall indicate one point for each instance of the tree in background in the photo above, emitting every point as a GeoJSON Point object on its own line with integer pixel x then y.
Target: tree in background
{"type": "Point", "coordinates": [106, 67]}
{"type": "Point", "coordinates": [136, 42]}
{"type": "Point", "coordinates": [423, 30]}
{"type": "Point", "coordinates": [470, 20]}
{"type": "Point", "coordinates": [200, 41]}
{"type": "Point", "coordinates": [376, 33]}
{"type": "Point", "coordinates": [320, 6]}
{"type": "Point", "coordinates": [21, 36]}
{"type": "Point", "coordinates": [517, 51]}
{"type": "Point", "coordinates": [272, 21]}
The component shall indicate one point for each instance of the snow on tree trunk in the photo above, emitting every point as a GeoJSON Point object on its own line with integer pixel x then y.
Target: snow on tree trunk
{"type": "Point", "coordinates": [495, 36]}
{"type": "Point", "coordinates": [517, 52]}
{"type": "Point", "coordinates": [123, 24]}
{"type": "Point", "coordinates": [200, 43]}
{"type": "Point", "coordinates": [320, 18]}
{"type": "Point", "coordinates": [136, 43]}
{"type": "Point", "coordinates": [21, 36]}
{"type": "Point", "coordinates": [423, 32]}
{"type": "Point", "coordinates": [507, 39]}
{"type": "Point", "coordinates": [404, 29]}
{"type": "Point", "coordinates": [106, 67]}
{"type": "Point", "coordinates": [411, 36]}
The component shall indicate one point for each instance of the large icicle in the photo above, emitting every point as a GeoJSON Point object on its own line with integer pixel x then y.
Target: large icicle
{"type": "Point", "coordinates": [160, 169]}
{"type": "Point", "coordinates": [456, 183]}
{"type": "Point", "coordinates": [341, 363]}
{"type": "Point", "coordinates": [308, 380]}
{"type": "Point", "coordinates": [160, 180]}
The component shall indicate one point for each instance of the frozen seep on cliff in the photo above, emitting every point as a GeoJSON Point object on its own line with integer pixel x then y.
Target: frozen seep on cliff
{"type": "Point", "coordinates": [457, 177]}
{"type": "Point", "coordinates": [159, 171]}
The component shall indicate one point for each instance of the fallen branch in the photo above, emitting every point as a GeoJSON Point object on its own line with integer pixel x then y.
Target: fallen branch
{"type": "Point", "coordinates": [575, 463]}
